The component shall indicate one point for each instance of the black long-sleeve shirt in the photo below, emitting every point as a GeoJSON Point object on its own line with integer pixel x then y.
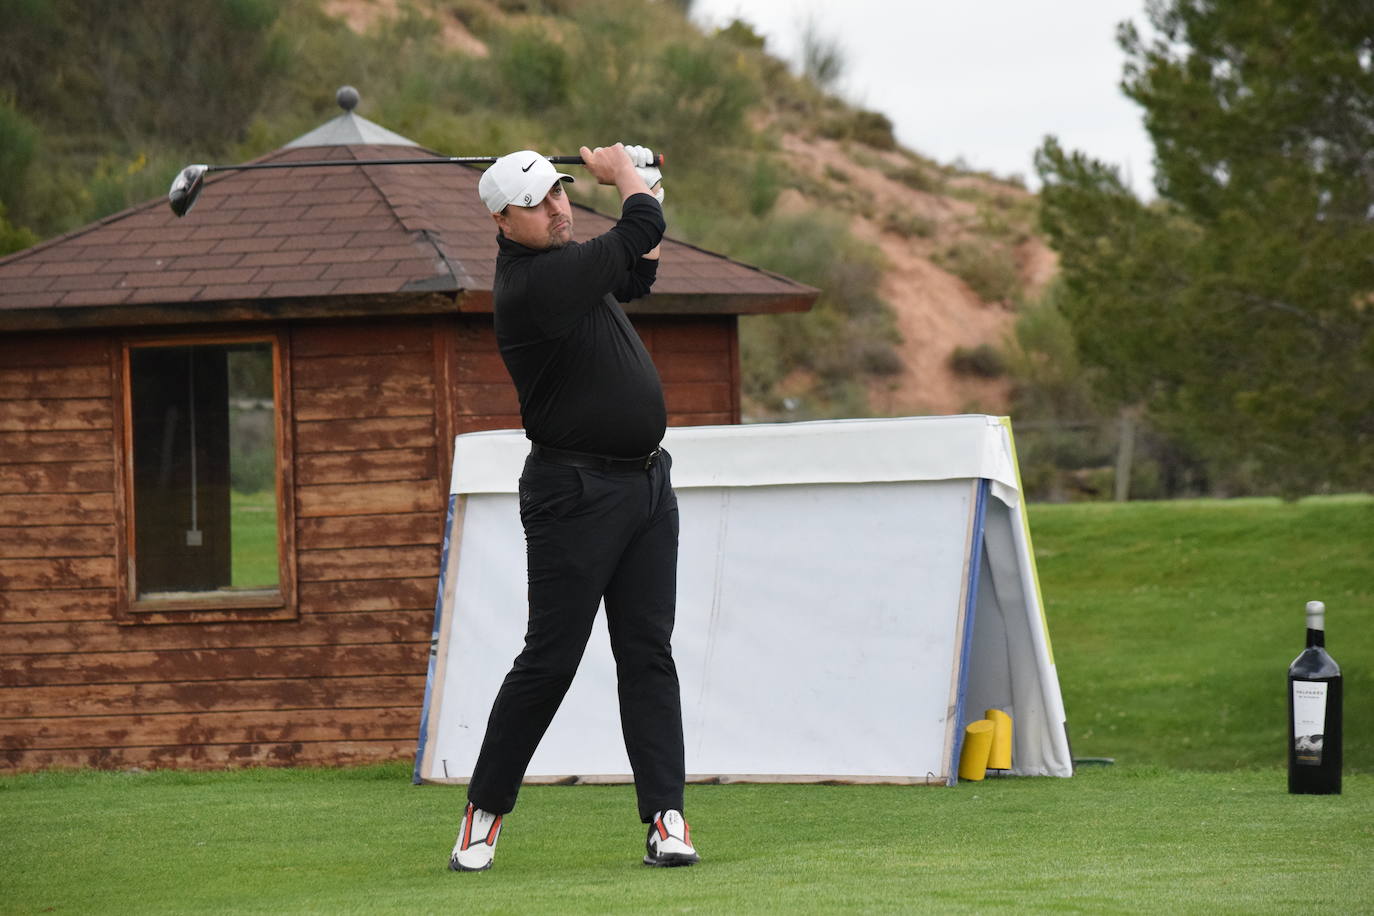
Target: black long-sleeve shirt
{"type": "Point", "coordinates": [585, 381]}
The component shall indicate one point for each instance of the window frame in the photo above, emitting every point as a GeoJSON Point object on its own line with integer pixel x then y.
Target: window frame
{"type": "Point", "coordinates": [213, 607]}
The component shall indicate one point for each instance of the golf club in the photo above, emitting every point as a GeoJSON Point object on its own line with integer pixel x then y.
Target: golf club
{"type": "Point", "coordinates": [186, 187]}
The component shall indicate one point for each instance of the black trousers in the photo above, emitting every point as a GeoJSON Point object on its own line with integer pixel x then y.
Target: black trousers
{"type": "Point", "coordinates": [591, 534]}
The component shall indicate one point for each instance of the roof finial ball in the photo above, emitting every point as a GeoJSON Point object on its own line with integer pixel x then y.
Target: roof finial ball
{"type": "Point", "coordinates": [347, 97]}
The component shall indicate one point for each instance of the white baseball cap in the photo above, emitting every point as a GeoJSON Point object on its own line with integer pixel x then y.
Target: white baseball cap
{"type": "Point", "coordinates": [521, 178]}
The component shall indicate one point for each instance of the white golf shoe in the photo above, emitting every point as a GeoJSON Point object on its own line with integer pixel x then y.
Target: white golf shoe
{"type": "Point", "coordinates": [670, 841]}
{"type": "Point", "coordinates": [476, 845]}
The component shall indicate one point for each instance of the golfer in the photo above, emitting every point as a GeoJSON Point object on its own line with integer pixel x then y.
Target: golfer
{"type": "Point", "coordinates": [596, 501]}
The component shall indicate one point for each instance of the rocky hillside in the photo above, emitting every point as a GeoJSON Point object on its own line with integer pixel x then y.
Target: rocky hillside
{"type": "Point", "coordinates": [960, 250]}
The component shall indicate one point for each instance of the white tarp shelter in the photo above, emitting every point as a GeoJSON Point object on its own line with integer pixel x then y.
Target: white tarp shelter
{"type": "Point", "coordinates": [851, 593]}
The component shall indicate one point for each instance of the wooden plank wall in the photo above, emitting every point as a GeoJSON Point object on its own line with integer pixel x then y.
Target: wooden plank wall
{"type": "Point", "coordinates": [341, 684]}
{"type": "Point", "coordinates": [697, 360]}
{"type": "Point", "coordinates": [57, 526]}
{"type": "Point", "coordinates": [375, 408]}
{"type": "Point", "coordinates": [371, 490]}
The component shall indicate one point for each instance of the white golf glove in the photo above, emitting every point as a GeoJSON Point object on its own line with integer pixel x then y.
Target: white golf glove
{"type": "Point", "coordinates": [654, 179]}
{"type": "Point", "coordinates": [641, 156]}
{"type": "Point", "coordinates": [643, 159]}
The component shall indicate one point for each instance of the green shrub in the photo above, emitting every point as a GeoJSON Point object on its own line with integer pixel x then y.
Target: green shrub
{"type": "Point", "coordinates": [19, 141]}
{"type": "Point", "coordinates": [880, 358]}
{"type": "Point", "coordinates": [848, 337]}
{"type": "Point", "coordinates": [532, 68]}
{"type": "Point", "coordinates": [764, 184]}
{"type": "Point", "coordinates": [916, 177]}
{"type": "Point", "coordinates": [696, 100]}
{"type": "Point", "coordinates": [1042, 358]}
{"type": "Point", "coordinates": [14, 238]}
{"type": "Point", "coordinates": [1006, 217]}
{"type": "Point", "coordinates": [613, 52]}
{"type": "Point", "coordinates": [982, 361]}
{"type": "Point", "coordinates": [908, 224]}
{"type": "Point", "coordinates": [873, 128]}
{"type": "Point", "coordinates": [968, 191]}
{"type": "Point", "coordinates": [229, 55]}
{"type": "Point", "coordinates": [741, 34]}
{"type": "Point", "coordinates": [870, 128]}
{"type": "Point", "coordinates": [988, 268]}
{"type": "Point", "coordinates": [119, 182]}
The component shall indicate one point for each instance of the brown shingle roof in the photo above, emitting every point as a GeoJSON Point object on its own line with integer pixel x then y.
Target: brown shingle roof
{"type": "Point", "coordinates": [312, 242]}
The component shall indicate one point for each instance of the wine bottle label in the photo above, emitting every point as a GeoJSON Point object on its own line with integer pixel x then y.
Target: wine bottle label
{"type": "Point", "coordinates": [1309, 721]}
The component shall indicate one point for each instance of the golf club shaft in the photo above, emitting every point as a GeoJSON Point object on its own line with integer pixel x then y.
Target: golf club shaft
{"type": "Point", "coordinates": [435, 160]}
{"type": "Point", "coordinates": [186, 187]}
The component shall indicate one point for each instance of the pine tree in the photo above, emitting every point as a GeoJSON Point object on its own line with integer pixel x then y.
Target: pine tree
{"type": "Point", "coordinates": [1239, 305]}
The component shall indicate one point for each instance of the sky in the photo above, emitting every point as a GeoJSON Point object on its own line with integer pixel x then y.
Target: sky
{"type": "Point", "coordinates": [982, 81]}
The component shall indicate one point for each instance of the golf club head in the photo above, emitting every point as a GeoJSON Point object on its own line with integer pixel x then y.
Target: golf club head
{"type": "Point", "coordinates": [186, 188]}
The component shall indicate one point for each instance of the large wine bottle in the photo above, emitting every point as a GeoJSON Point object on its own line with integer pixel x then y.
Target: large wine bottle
{"type": "Point", "coordinates": [1314, 713]}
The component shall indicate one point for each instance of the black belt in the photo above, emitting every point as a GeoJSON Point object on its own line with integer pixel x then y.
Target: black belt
{"type": "Point", "coordinates": [595, 462]}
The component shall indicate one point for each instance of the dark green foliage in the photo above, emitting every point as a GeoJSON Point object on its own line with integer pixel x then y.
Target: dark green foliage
{"type": "Point", "coordinates": [145, 67]}
{"type": "Point", "coordinates": [14, 238]}
{"type": "Point", "coordinates": [532, 69]}
{"type": "Point", "coordinates": [18, 145]}
{"type": "Point", "coordinates": [982, 361]}
{"type": "Point", "coordinates": [1237, 307]}
{"type": "Point", "coordinates": [1068, 434]}
{"type": "Point", "coordinates": [99, 90]}
{"type": "Point", "coordinates": [1043, 357]}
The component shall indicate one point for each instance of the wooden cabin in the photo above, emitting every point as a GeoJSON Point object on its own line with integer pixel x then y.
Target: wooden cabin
{"type": "Point", "coordinates": [225, 446]}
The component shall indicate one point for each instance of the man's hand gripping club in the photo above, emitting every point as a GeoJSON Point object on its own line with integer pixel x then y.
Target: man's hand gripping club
{"type": "Point", "coordinates": [610, 165]}
{"type": "Point", "coordinates": [620, 166]}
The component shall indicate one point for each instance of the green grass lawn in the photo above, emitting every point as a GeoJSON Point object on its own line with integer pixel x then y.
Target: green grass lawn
{"type": "Point", "coordinates": [365, 841]}
{"type": "Point", "coordinates": [253, 534]}
{"type": "Point", "coordinates": [1173, 625]}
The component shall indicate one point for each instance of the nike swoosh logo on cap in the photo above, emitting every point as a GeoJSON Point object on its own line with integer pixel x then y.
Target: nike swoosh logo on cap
{"type": "Point", "coordinates": [530, 166]}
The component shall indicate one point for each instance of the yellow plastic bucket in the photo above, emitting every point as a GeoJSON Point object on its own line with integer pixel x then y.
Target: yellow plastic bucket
{"type": "Point", "coordinates": [973, 760]}
{"type": "Point", "coordinates": [1000, 756]}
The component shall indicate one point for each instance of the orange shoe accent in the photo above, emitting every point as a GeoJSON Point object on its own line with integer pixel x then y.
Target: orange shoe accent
{"type": "Point", "coordinates": [495, 829]}
{"type": "Point", "coordinates": [467, 827]}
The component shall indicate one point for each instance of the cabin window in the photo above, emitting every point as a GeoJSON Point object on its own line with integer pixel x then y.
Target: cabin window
{"type": "Point", "coordinates": [204, 476]}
